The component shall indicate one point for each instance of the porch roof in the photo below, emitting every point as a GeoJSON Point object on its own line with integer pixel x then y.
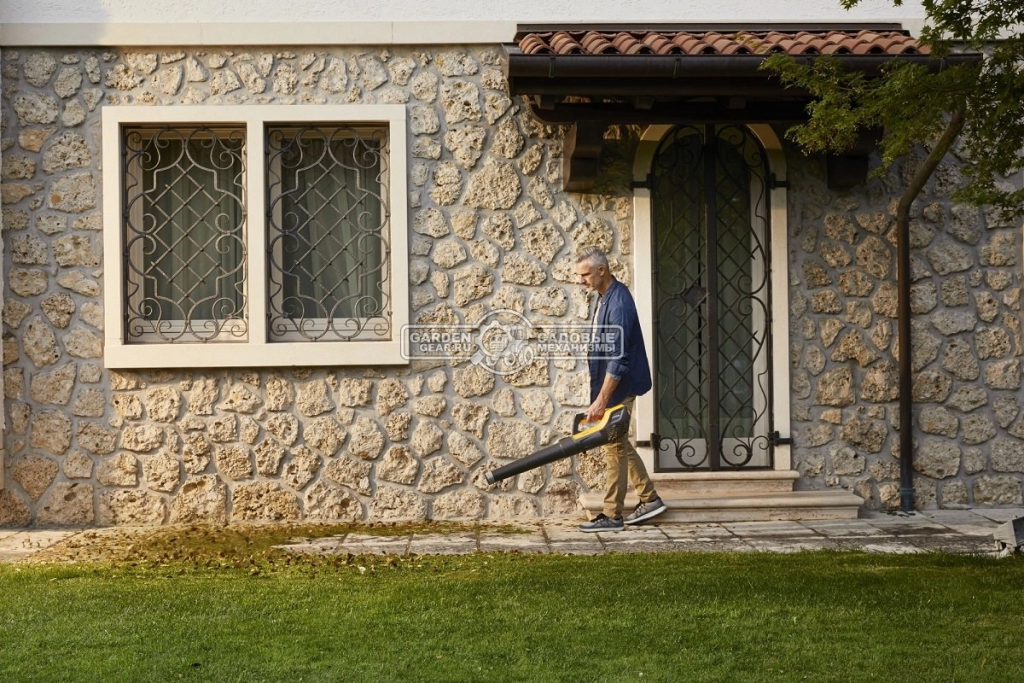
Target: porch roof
{"type": "Point", "coordinates": [595, 76]}
{"type": "Point", "coordinates": [794, 42]}
{"type": "Point", "coordinates": [694, 68]}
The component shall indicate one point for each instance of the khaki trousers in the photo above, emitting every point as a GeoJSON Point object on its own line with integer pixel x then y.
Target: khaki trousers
{"type": "Point", "coordinates": [622, 460]}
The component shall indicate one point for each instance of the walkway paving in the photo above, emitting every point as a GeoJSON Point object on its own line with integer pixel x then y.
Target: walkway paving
{"type": "Point", "coordinates": [941, 530]}
{"type": "Point", "coordinates": [950, 531]}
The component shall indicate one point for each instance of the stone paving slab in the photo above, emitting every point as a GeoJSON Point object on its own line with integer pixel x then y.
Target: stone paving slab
{"type": "Point", "coordinates": [911, 528]}
{"type": "Point", "coordinates": [21, 545]}
{"type": "Point", "coordinates": [12, 556]}
{"type": "Point", "coordinates": [572, 548]}
{"type": "Point", "coordinates": [13, 541]}
{"type": "Point", "coordinates": [564, 532]}
{"type": "Point", "coordinates": [965, 522]}
{"type": "Point", "coordinates": [443, 544]}
{"type": "Point", "coordinates": [650, 532]}
{"type": "Point", "coordinates": [698, 532]}
{"type": "Point", "coordinates": [882, 547]}
{"type": "Point", "coordinates": [34, 540]}
{"type": "Point", "coordinates": [843, 528]}
{"type": "Point", "coordinates": [977, 532]}
{"type": "Point", "coordinates": [779, 528]}
{"type": "Point", "coordinates": [960, 517]}
{"type": "Point", "coordinates": [365, 544]}
{"type": "Point", "coordinates": [317, 547]}
{"type": "Point", "coordinates": [955, 544]}
{"type": "Point", "coordinates": [790, 544]}
{"type": "Point", "coordinates": [504, 544]}
{"type": "Point", "coordinates": [1000, 515]}
{"type": "Point", "coordinates": [536, 535]}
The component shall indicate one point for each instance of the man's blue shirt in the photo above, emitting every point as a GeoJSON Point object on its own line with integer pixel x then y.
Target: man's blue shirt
{"type": "Point", "coordinates": [617, 316]}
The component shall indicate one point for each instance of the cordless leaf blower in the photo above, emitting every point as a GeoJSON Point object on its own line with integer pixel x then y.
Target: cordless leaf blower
{"type": "Point", "coordinates": [613, 426]}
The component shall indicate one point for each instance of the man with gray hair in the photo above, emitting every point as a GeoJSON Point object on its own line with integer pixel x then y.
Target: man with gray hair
{"type": "Point", "coordinates": [615, 378]}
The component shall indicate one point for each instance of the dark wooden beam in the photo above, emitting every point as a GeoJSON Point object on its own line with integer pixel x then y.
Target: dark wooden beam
{"type": "Point", "coordinates": [850, 168]}
{"type": "Point", "coordinates": [581, 155]}
{"type": "Point", "coordinates": [845, 170]}
{"type": "Point", "coordinates": [634, 86]}
{"type": "Point", "coordinates": [724, 110]}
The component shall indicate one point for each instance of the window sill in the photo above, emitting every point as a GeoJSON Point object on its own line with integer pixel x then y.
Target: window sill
{"type": "Point", "coordinates": [238, 355]}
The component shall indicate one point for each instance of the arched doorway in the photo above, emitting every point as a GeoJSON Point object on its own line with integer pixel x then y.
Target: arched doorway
{"type": "Point", "coordinates": [708, 195]}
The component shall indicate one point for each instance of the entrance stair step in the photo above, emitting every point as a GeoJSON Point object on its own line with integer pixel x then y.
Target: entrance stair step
{"type": "Point", "coordinates": [739, 504]}
{"type": "Point", "coordinates": [732, 482]}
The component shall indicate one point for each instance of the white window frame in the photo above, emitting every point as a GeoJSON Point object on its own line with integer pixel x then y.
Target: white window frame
{"type": "Point", "coordinates": [257, 350]}
{"type": "Point", "coordinates": [643, 264]}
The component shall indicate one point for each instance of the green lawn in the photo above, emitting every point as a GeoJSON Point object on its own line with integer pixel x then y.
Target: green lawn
{"type": "Point", "coordinates": [661, 617]}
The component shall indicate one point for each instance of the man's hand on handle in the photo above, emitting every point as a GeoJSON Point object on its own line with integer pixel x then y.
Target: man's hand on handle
{"type": "Point", "coordinates": [596, 410]}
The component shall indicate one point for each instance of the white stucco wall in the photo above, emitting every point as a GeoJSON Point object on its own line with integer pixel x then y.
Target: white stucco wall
{"type": "Point", "coordinates": [184, 11]}
{"type": "Point", "coordinates": [165, 22]}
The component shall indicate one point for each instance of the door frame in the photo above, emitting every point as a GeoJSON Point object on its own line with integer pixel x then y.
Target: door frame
{"type": "Point", "coordinates": [642, 287]}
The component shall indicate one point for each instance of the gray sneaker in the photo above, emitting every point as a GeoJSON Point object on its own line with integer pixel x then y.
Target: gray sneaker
{"type": "Point", "coordinates": [645, 511]}
{"type": "Point", "coordinates": [602, 523]}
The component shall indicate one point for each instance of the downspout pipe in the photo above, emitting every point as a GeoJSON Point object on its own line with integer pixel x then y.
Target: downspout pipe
{"type": "Point", "coordinates": [906, 385]}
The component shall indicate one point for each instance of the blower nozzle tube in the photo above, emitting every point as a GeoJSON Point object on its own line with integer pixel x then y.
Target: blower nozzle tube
{"type": "Point", "coordinates": [613, 426]}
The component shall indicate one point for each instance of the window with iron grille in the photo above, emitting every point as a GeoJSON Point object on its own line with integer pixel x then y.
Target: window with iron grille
{"type": "Point", "coordinates": [268, 235]}
{"type": "Point", "coordinates": [184, 234]}
{"type": "Point", "coordinates": [327, 251]}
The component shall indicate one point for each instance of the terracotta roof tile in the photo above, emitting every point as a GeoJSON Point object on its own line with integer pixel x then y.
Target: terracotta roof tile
{"type": "Point", "coordinates": [658, 43]}
{"type": "Point", "coordinates": [571, 42]}
{"type": "Point", "coordinates": [597, 44]}
{"type": "Point", "coordinates": [533, 44]}
{"type": "Point", "coordinates": [563, 43]}
{"type": "Point", "coordinates": [685, 43]}
{"type": "Point", "coordinates": [628, 44]}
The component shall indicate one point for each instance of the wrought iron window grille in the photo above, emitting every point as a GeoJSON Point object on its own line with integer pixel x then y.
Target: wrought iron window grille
{"type": "Point", "coordinates": [184, 217]}
{"type": "Point", "coordinates": [327, 239]}
{"type": "Point", "coordinates": [184, 221]}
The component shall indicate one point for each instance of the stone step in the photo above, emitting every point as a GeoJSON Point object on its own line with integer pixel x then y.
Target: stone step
{"type": "Point", "coordinates": [744, 507]}
{"type": "Point", "coordinates": [697, 483]}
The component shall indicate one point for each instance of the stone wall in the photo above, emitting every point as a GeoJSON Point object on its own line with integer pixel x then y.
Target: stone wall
{"type": "Point", "coordinates": [491, 229]}
{"type": "Point", "coordinates": [966, 336]}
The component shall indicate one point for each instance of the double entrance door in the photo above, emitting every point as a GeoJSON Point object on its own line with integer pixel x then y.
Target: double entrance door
{"type": "Point", "coordinates": [711, 285]}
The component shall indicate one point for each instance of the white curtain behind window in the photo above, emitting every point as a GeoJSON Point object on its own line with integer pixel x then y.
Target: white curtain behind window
{"type": "Point", "coordinates": [191, 237]}
{"type": "Point", "coordinates": [332, 242]}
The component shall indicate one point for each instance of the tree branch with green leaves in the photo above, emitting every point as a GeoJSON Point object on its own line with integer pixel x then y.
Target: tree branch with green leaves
{"type": "Point", "coordinates": [930, 105]}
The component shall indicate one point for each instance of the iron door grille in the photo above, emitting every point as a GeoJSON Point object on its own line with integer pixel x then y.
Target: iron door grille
{"type": "Point", "coordinates": [712, 293]}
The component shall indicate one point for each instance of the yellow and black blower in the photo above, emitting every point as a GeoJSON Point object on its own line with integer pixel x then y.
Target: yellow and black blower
{"type": "Point", "coordinates": [613, 426]}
